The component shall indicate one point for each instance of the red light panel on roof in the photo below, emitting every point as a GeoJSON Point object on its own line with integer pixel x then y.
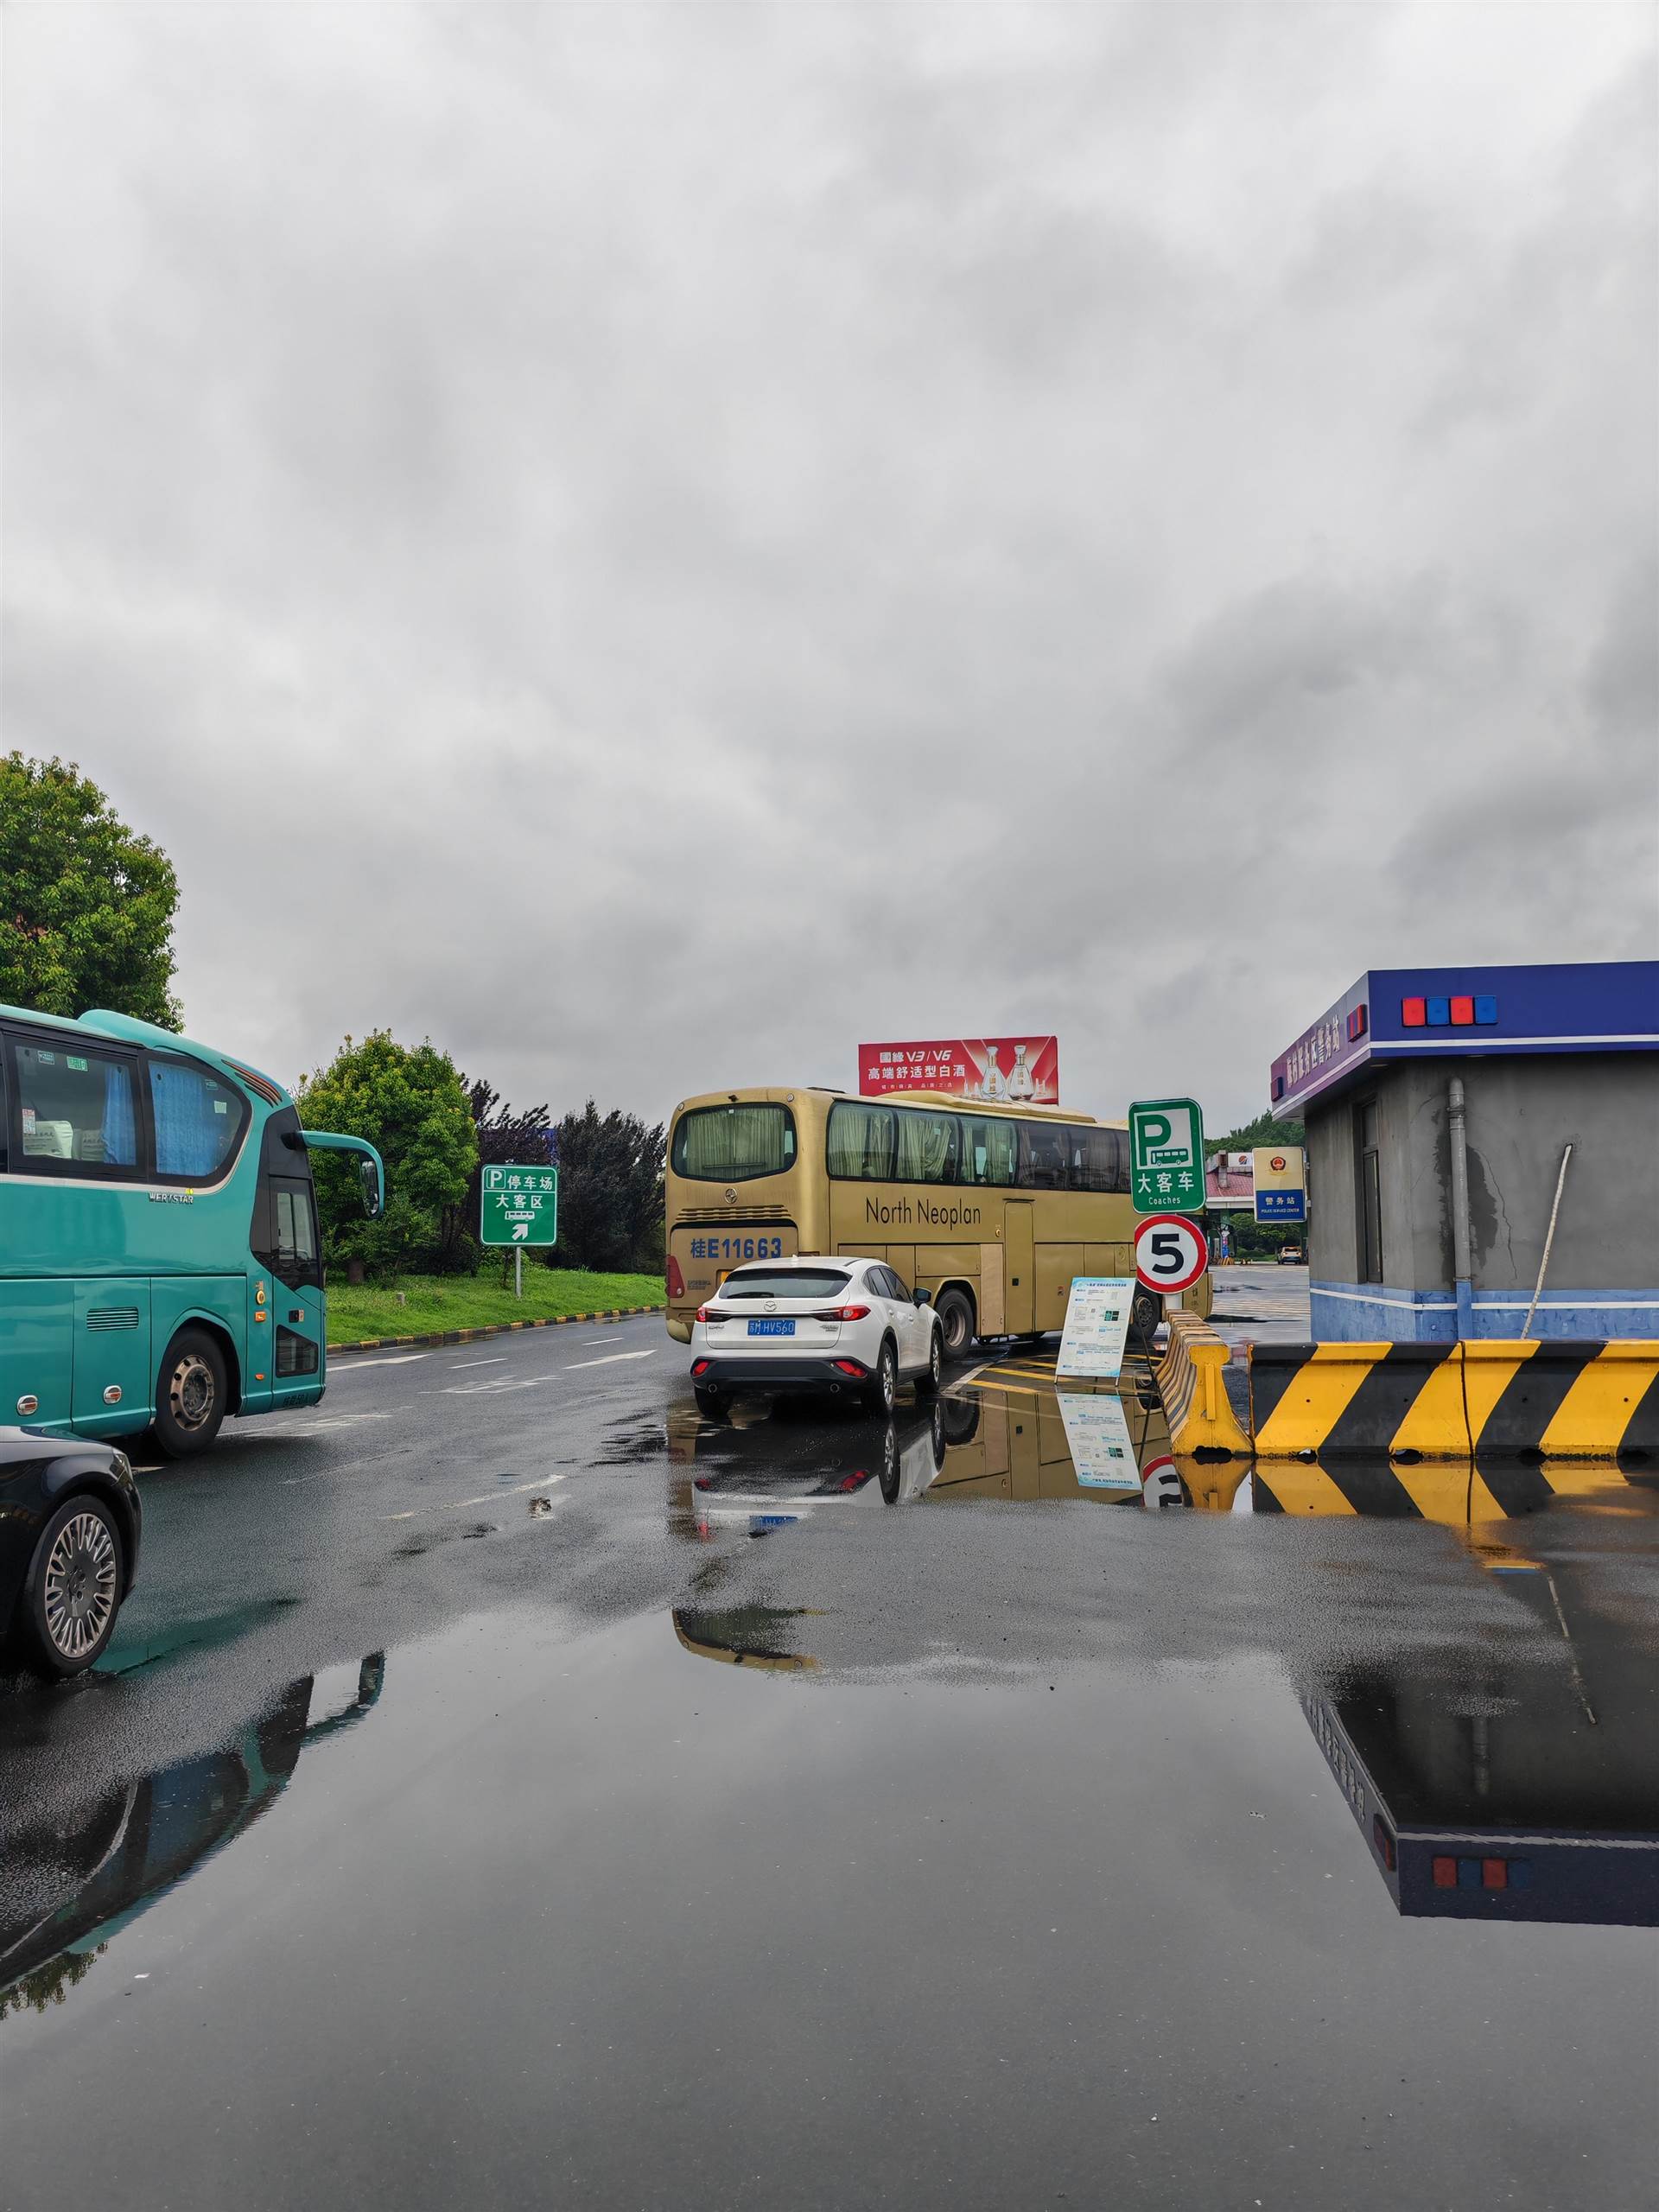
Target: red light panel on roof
{"type": "Point", "coordinates": [1462, 1014]}
{"type": "Point", "coordinates": [1413, 1013]}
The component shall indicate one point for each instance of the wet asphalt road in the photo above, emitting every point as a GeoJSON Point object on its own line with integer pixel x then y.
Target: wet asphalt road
{"type": "Point", "coordinates": [507, 1789]}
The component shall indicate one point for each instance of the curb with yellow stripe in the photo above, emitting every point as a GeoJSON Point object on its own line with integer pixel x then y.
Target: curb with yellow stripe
{"type": "Point", "coordinates": [1548, 1399]}
{"type": "Point", "coordinates": [1193, 1384]}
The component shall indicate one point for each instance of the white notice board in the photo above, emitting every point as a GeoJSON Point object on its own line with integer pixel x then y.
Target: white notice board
{"type": "Point", "coordinates": [1097, 1437]}
{"type": "Point", "coordinates": [1096, 1326]}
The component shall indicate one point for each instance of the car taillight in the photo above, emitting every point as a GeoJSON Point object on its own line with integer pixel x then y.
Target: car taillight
{"type": "Point", "coordinates": [707, 1313]}
{"type": "Point", "coordinates": [701, 1366]}
{"type": "Point", "coordinates": [842, 1314]}
{"type": "Point", "coordinates": [675, 1280]}
{"type": "Point", "coordinates": [849, 1367]}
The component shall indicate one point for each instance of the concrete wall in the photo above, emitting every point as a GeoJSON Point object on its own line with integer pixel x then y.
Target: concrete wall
{"type": "Point", "coordinates": [1521, 1112]}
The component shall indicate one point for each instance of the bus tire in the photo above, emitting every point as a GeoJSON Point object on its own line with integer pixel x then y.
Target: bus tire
{"type": "Point", "coordinates": [192, 1391]}
{"type": "Point", "coordinates": [1145, 1313]}
{"type": "Point", "coordinates": [955, 1311]}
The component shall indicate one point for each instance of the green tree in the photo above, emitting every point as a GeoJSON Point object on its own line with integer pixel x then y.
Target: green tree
{"type": "Point", "coordinates": [414, 1106]}
{"type": "Point", "coordinates": [610, 1191]}
{"type": "Point", "coordinates": [86, 906]}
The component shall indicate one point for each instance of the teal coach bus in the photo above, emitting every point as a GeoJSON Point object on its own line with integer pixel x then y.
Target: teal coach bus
{"type": "Point", "coordinates": [159, 1255]}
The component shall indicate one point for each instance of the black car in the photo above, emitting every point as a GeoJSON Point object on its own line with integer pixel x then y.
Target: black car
{"type": "Point", "coordinates": [69, 1527]}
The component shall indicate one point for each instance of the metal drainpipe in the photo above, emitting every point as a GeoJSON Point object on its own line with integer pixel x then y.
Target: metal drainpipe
{"type": "Point", "coordinates": [1462, 1286]}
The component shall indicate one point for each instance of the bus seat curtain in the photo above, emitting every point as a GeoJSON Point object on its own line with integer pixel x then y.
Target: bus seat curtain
{"type": "Point", "coordinates": [118, 1138]}
{"type": "Point", "coordinates": [189, 1135]}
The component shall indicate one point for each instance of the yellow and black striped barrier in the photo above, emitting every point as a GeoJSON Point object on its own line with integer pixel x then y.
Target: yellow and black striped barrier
{"type": "Point", "coordinates": [1548, 1399]}
{"type": "Point", "coordinates": [1193, 1384]}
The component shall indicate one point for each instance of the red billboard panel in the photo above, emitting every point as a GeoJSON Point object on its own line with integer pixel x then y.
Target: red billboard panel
{"type": "Point", "coordinates": [1011, 1071]}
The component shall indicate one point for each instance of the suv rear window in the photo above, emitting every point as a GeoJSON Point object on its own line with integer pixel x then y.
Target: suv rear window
{"type": "Point", "coordinates": [783, 1282]}
{"type": "Point", "coordinates": [733, 1144]}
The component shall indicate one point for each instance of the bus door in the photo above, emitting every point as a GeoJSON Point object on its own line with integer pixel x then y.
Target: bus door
{"type": "Point", "coordinates": [285, 1326]}
{"type": "Point", "coordinates": [1018, 1267]}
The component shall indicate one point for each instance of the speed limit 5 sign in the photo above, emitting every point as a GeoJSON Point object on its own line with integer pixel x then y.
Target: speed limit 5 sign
{"type": "Point", "coordinates": [1171, 1252]}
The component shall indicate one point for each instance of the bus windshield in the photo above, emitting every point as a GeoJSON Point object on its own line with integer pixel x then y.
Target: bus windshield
{"type": "Point", "coordinates": [733, 1144]}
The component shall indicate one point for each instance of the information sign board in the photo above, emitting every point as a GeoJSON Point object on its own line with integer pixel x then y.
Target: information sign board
{"type": "Point", "coordinates": [519, 1205]}
{"type": "Point", "coordinates": [1097, 1437]}
{"type": "Point", "coordinates": [1097, 1327]}
{"type": "Point", "coordinates": [1281, 1183]}
{"type": "Point", "coordinates": [1011, 1071]}
{"type": "Point", "coordinates": [1166, 1155]}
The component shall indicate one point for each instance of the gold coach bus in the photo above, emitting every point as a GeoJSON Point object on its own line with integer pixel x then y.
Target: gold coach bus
{"type": "Point", "coordinates": [993, 1210]}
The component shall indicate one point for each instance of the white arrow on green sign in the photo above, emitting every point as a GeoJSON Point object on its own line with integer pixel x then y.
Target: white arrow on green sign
{"type": "Point", "coordinates": [1166, 1155]}
{"type": "Point", "coordinates": [519, 1205]}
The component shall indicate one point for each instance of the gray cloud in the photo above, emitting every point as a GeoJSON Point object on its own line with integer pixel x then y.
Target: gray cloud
{"type": "Point", "coordinates": [651, 545]}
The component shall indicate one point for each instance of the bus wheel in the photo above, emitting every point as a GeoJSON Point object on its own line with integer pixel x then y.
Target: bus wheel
{"type": "Point", "coordinates": [1145, 1314]}
{"type": "Point", "coordinates": [190, 1393]}
{"type": "Point", "coordinates": [956, 1319]}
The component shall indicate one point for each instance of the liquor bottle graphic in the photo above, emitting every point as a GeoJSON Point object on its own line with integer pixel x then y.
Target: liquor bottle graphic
{"type": "Point", "coordinates": [991, 1084]}
{"type": "Point", "coordinates": [1021, 1083]}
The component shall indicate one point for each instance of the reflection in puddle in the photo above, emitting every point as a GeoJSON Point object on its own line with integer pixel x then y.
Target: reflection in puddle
{"type": "Point", "coordinates": [78, 1872]}
{"type": "Point", "coordinates": [1516, 1784]}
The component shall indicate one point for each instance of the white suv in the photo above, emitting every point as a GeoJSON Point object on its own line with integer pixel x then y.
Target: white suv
{"type": "Point", "coordinates": [809, 1323]}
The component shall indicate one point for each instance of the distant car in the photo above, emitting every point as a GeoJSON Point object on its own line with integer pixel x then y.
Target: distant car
{"type": "Point", "coordinates": [845, 1327]}
{"type": "Point", "coordinates": [1291, 1256]}
{"type": "Point", "coordinates": [70, 1523]}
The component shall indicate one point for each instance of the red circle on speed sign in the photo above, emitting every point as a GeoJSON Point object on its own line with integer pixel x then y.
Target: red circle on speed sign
{"type": "Point", "coordinates": [1171, 1252]}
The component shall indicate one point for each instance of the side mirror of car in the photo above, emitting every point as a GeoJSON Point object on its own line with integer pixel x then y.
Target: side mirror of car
{"type": "Point", "coordinates": [919, 1296]}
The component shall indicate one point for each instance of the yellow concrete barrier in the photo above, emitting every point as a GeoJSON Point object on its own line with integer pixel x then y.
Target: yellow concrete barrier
{"type": "Point", "coordinates": [1193, 1384]}
{"type": "Point", "coordinates": [1550, 1400]}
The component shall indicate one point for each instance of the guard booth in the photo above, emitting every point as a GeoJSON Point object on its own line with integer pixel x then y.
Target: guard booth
{"type": "Point", "coordinates": [1483, 1152]}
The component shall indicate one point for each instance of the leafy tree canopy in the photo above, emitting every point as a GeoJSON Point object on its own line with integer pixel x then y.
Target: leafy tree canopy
{"type": "Point", "coordinates": [1263, 1130]}
{"type": "Point", "coordinates": [610, 1191]}
{"type": "Point", "coordinates": [413, 1104]}
{"type": "Point", "coordinates": [86, 906]}
{"type": "Point", "coordinates": [503, 1138]}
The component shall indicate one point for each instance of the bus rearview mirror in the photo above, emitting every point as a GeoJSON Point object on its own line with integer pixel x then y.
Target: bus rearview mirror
{"type": "Point", "coordinates": [369, 1176]}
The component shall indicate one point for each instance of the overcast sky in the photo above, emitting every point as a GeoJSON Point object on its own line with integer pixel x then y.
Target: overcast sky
{"type": "Point", "coordinates": [650, 545]}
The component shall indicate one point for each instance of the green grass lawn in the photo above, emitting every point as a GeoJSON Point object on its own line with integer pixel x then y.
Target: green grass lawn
{"type": "Point", "coordinates": [433, 1303]}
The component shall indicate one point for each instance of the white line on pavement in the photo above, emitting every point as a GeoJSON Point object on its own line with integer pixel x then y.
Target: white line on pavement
{"type": "Point", "coordinates": [455, 1366]}
{"type": "Point", "coordinates": [401, 1359]}
{"type": "Point", "coordinates": [610, 1359]}
{"type": "Point", "coordinates": [454, 1504]}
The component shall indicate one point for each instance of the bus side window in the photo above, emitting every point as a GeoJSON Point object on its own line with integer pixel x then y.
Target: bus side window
{"type": "Point", "coordinates": [5, 1113]}
{"type": "Point", "coordinates": [77, 1110]}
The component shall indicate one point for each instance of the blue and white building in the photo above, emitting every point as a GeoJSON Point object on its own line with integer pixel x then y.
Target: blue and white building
{"type": "Point", "coordinates": [1454, 1114]}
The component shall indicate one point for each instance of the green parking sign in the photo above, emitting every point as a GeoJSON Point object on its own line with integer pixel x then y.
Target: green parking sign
{"type": "Point", "coordinates": [1166, 1155]}
{"type": "Point", "coordinates": [519, 1205]}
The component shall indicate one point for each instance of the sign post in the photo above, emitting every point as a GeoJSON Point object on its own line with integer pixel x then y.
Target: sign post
{"type": "Point", "coordinates": [520, 1206]}
{"type": "Point", "coordinates": [1166, 1155]}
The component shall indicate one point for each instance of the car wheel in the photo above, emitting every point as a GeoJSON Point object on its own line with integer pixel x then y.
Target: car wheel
{"type": "Point", "coordinates": [881, 1393]}
{"type": "Point", "coordinates": [957, 1320]}
{"type": "Point", "coordinates": [190, 1393]}
{"type": "Point", "coordinates": [927, 1383]}
{"type": "Point", "coordinates": [72, 1590]}
{"type": "Point", "coordinates": [711, 1400]}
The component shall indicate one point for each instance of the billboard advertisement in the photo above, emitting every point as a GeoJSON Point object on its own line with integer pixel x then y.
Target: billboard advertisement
{"type": "Point", "coordinates": [1009, 1070]}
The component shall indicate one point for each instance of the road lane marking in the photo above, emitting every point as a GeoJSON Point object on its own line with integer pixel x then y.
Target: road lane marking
{"type": "Point", "coordinates": [454, 1504]}
{"type": "Point", "coordinates": [456, 1365]}
{"type": "Point", "coordinates": [357, 1366]}
{"type": "Point", "coordinates": [610, 1359]}
{"type": "Point", "coordinates": [336, 1420]}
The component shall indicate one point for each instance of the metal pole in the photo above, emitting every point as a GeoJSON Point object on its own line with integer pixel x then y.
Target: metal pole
{"type": "Point", "coordinates": [1462, 1286]}
{"type": "Point", "coordinates": [518, 1270]}
{"type": "Point", "coordinates": [1550, 1238]}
